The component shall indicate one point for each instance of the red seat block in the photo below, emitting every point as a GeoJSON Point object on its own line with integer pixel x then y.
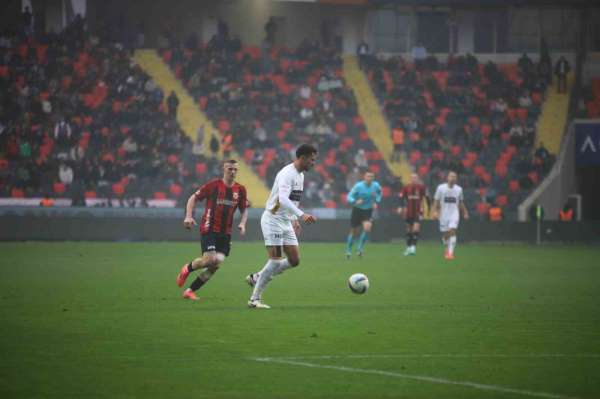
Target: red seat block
{"type": "Point", "coordinates": [386, 191]}
{"type": "Point", "coordinates": [59, 188]}
{"type": "Point", "coordinates": [90, 194]}
{"type": "Point", "coordinates": [330, 204]}
{"type": "Point", "coordinates": [501, 170]}
{"type": "Point", "coordinates": [423, 170]}
{"type": "Point", "coordinates": [200, 168]}
{"type": "Point", "coordinates": [175, 190]}
{"type": "Point", "coordinates": [502, 200]}
{"type": "Point", "coordinates": [224, 126]}
{"type": "Point", "coordinates": [17, 193]}
{"type": "Point", "coordinates": [375, 168]}
{"type": "Point", "coordinates": [248, 155]}
{"type": "Point", "coordinates": [513, 186]}
{"type": "Point", "coordinates": [340, 127]}
{"type": "Point", "coordinates": [438, 155]}
{"type": "Point", "coordinates": [534, 177]}
{"type": "Point", "coordinates": [415, 156]}
{"type": "Point", "coordinates": [159, 195]}
{"type": "Point", "coordinates": [172, 159]}
{"type": "Point", "coordinates": [482, 208]}
{"type": "Point", "coordinates": [479, 170]}
{"type": "Point", "coordinates": [118, 189]}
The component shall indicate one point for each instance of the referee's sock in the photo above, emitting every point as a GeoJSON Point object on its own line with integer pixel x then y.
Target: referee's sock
{"type": "Point", "coordinates": [349, 243]}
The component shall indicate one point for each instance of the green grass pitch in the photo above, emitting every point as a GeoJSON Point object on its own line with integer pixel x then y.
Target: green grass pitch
{"type": "Point", "coordinates": [105, 320]}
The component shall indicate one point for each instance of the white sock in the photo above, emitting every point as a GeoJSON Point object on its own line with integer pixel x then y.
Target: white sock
{"type": "Point", "coordinates": [264, 277]}
{"type": "Point", "coordinates": [451, 244]}
{"type": "Point", "coordinates": [284, 264]}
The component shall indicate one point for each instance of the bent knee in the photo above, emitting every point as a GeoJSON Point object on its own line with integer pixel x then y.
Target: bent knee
{"type": "Point", "coordinates": [213, 261]}
{"type": "Point", "coordinates": [294, 262]}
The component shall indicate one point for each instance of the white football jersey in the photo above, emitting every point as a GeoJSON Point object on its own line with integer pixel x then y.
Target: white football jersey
{"type": "Point", "coordinates": [450, 199]}
{"type": "Point", "coordinates": [289, 182]}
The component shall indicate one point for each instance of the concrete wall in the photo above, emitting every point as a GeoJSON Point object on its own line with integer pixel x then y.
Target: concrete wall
{"type": "Point", "coordinates": [561, 182]}
{"type": "Point", "coordinates": [52, 226]}
{"type": "Point", "coordinates": [10, 17]}
{"type": "Point", "coordinates": [245, 18]}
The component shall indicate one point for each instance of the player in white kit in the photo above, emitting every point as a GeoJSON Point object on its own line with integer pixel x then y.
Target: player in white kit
{"type": "Point", "coordinates": [279, 223]}
{"type": "Point", "coordinates": [449, 202]}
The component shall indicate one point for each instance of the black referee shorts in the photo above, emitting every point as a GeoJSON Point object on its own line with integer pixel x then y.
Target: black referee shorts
{"type": "Point", "coordinates": [359, 216]}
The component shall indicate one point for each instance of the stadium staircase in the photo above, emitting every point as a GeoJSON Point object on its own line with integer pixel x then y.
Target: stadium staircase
{"type": "Point", "coordinates": [190, 117]}
{"type": "Point", "coordinates": [553, 118]}
{"type": "Point", "coordinates": [369, 109]}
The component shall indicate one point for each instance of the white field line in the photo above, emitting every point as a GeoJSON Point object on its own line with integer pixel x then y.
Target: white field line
{"type": "Point", "coordinates": [423, 378]}
{"type": "Point", "coordinates": [440, 355]}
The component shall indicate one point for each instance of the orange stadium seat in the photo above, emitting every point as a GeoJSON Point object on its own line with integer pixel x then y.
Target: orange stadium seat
{"type": "Point", "coordinates": [159, 195]}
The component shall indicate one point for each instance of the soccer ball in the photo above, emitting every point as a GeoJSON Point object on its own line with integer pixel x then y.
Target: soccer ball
{"type": "Point", "coordinates": [358, 283]}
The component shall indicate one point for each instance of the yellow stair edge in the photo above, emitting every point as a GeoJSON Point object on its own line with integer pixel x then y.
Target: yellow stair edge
{"type": "Point", "coordinates": [553, 118]}
{"type": "Point", "coordinates": [190, 118]}
{"type": "Point", "coordinates": [376, 124]}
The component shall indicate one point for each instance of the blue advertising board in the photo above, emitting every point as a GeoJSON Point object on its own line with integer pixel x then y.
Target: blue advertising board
{"type": "Point", "coordinates": [587, 144]}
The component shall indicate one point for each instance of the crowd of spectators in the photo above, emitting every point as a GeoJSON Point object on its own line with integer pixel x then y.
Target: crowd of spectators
{"type": "Point", "coordinates": [266, 101]}
{"type": "Point", "coordinates": [477, 119]}
{"type": "Point", "coordinates": [79, 119]}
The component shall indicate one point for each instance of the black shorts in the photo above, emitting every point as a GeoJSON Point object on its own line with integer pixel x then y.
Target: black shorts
{"type": "Point", "coordinates": [218, 242]}
{"type": "Point", "coordinates": [359, 216]}
{"type": "Point", "coordinates": [413, 220]}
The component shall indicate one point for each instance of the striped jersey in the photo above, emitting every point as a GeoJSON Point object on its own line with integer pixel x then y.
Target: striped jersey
{"type": "Point", "coordinates": [412, 196]}
{"type": "Point", "coordinates": [221, 203]}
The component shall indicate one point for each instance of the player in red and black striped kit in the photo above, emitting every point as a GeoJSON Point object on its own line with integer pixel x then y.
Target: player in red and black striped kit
{"type": "Point", "coordinates": [223, 197]}
{"type": "Point", "coordinates": [411, 209]}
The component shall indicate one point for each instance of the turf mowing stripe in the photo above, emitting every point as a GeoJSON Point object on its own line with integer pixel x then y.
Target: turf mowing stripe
{"type": "Point", "coordinates": [423, 378]}
{"type": "Point", "coordinates": [442, 355]}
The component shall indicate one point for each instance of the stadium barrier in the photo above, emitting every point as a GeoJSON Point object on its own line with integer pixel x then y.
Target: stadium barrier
{"type": "Point", "coordinates": [561, 182]}
{"type": "Point", "coordinates": [123, 224]}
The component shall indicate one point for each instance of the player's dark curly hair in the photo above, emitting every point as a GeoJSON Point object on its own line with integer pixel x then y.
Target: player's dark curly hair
{"type": "Point", "coordinates": [305, 149]}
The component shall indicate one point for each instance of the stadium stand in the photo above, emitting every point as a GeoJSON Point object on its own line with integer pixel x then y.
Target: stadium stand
{"type": "Point", "coordinates": [80, 121]}
{"type": "Point", "coordinates": [479, 120]}
{"type": "Point", "coordinates": [590, 103]}
{"type": "Point", "coordinates": [267, 101]}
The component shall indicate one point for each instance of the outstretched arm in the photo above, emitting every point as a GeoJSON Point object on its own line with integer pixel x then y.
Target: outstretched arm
{"type": "Point", "coordinates": [189, 221]}
{"type": "Point", "coordinates": [464, 210]}
{"type": "Point", "coordinates": [243, 220]}
{"type": "Point", "coordinates": [436, 209]}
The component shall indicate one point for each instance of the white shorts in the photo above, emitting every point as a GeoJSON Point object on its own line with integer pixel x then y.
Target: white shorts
{"type": "Point", "coordinates": [448, 224]}
{"type": "Point", "coordinates": [277, 231]}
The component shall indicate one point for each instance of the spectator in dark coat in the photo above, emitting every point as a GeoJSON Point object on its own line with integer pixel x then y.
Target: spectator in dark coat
{"type": "Point", "coordinates": [172, 104]}
{"type": "Point", "coordinates": [561, 70]}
